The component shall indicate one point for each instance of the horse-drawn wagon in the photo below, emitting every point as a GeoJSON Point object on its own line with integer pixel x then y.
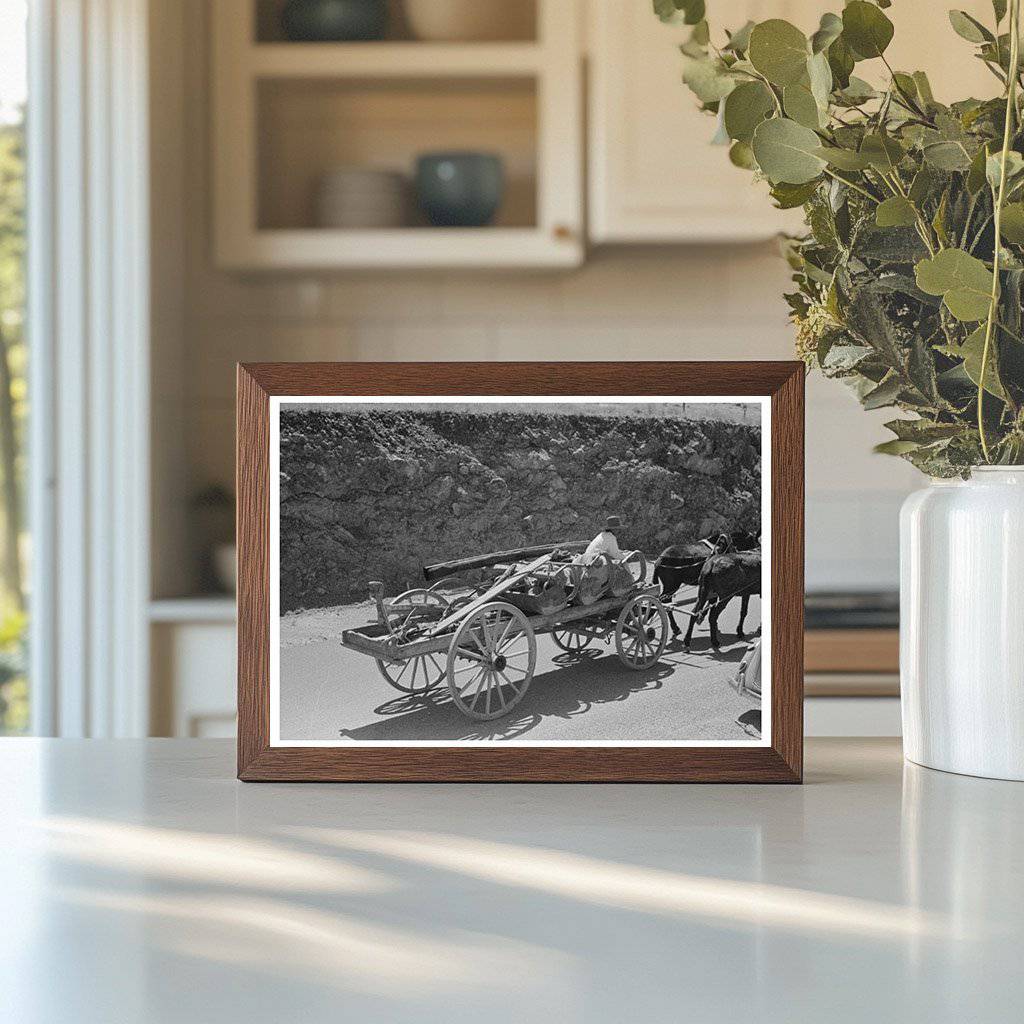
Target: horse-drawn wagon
{"type": "Point", "coordinates": [481, 638]}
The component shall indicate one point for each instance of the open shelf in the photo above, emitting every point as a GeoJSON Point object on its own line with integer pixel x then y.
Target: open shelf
{"type": "Point", "coordinates": [309, 127]}
{"type": "Point", "coordinates": [520, 23]}
{"type": "Point", "coordinates": [406, 248]}
{"type": "Point", "coordinates": [286, 114]}
{"type": "Point", "coordinates": [389, 60]}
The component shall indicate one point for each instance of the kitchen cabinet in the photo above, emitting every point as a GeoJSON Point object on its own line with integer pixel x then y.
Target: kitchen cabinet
{"type": "Point", "coordinates": [287, 114]}
{"type": "Point", "coordinates": [654, 177]}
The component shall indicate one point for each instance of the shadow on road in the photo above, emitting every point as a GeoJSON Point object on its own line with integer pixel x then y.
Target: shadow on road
{"type": "Point", "coordinates": [578, 683]}
{"type": "Point", "coordinates": [572, 689]}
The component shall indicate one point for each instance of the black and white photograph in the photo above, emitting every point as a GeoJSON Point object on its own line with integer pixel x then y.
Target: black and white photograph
{"type": "Point", "coordinates": [549, 571]}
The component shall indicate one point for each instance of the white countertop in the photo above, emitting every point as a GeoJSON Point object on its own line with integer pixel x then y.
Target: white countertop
{"type": "Point", "coordinates": [140, 882]}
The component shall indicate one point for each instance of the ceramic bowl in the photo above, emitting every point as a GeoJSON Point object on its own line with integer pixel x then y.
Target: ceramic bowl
{"type": "Point", "coordinates": [360, 197]}
{"type": "Point", "coordinates": [460, 189]}
{"type": "Point", "coordinates": [332, 21]}
{"type": "Point", "coordinates": [470, 20]}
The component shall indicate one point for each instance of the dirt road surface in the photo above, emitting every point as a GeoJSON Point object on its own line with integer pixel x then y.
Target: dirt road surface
{"type": "Point", "coordinates": [329, 692]}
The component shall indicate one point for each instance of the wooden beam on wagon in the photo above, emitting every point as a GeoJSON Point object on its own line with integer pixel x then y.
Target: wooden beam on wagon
{"type": "Point", "coordinates": [442, 569]}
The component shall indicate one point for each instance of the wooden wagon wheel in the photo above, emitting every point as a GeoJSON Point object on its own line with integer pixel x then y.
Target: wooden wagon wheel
{"type": "Point", "coordinates": [491, 661]}
{"type": "Point", "coordinates": [416, 605]}
{"type": "Point", "coordinates": [570, 639]}
{"type": "Point", "coordinates": [417, 675]}
{"type": "Point", "coordinates": [423, 673]}
{"type": "Point", "coordinates": [641, 634]}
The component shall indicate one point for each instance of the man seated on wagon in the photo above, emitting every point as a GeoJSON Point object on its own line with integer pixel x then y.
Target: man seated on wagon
{"type": "Point", "coordinates": [605, 543]}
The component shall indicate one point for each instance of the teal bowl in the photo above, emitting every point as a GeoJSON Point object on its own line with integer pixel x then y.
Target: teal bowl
{"type": "Point", "coordinates": [334, 21]}
{"type": "Point", "coordinates": [460, 190]}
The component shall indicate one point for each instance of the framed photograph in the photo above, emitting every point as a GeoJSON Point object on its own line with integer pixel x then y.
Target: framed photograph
{"type": "Point", "coordinates": [520, 571]}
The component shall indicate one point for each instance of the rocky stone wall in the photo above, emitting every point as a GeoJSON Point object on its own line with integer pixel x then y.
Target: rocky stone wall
{"type": "Point", "coordinates": [378, 495]}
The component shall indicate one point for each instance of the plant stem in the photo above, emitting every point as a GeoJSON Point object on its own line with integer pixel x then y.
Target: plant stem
{"type": "Point", "coordinates": [853, 185]}
{"type": "Point", "coordinates": [910, 102]}
{"type": "Point", "coordinates": [1011, 108]}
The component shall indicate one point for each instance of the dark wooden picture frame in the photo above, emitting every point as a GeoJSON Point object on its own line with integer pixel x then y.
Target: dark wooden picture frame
{"type": "Point", "coordinates": [781, 761]}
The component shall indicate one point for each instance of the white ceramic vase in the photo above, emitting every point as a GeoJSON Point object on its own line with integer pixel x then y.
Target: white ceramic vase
{"type": "Point", "coordinates": [962, 624]}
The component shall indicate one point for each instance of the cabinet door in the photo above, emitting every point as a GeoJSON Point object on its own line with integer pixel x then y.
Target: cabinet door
{"type": "Point", "coordinates": [654, 176]}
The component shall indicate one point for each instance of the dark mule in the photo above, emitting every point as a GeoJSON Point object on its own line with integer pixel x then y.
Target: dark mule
{"type": "Point", "coordinates": [724, 577]}
{"type": "Point", "coordinates": [682, 564]}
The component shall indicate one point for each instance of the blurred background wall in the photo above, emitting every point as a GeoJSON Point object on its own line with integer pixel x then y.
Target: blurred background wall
{"type": "Point", "coordinates": [698, 299]}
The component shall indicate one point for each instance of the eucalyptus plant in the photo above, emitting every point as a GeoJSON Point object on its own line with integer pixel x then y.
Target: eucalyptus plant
{"type": "Point", "coordinates": [910, 277]}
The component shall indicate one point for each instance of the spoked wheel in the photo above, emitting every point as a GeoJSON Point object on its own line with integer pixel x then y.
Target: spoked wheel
{"type": "Point", "coordinates": [417, 675]}
{"type": "Point", "coordinates": [417, 605]}
{"type": "Point", "coordinates": [491, 661]}
{"type": "Point", "coordinates": [641, 634]}
{"type": "Point", "coordinates": [571, 640]}
{"type": "Point", "coordinates": [410, 611]}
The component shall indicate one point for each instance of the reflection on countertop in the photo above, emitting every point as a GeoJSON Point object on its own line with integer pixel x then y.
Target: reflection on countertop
{"type": "Point", "coordinates": [144, 883]}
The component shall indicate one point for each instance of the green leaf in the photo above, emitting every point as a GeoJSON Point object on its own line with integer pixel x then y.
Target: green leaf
{"type": "Point", "coordinates": [788, 197]}
{"type": "Point", "coordinates": [924, 88]}
{"type": "Point", "coordinates": [693, 10]}
{"type": "Point", "coordinates": [866, 29]}
{"type": "Point", "coordinates": [741, 155]}
{"type": "Point", "coordinates": [779, 51]}
{"type": "Point", "coordinates": [905, 84]}
{"type": "Point", "coordinates": [689, 12]}
{"type": "Point", "coordinates": [993, 167]}
{"type": "Point", "coordinates": [963, 281]}
{"type": "Point", "coordinates": [922, 185]}
{"type": "Point", "coordinates": [999, 9]}
{"type": "Point", "coordinates": [801, 106]}
{"type": "Point", "coordinates": [885, 394]}
{"type": "Point", "coordinates": [721, 136]}
{"type": "Point", "coordinates": [947, 156]}
{"type": "Point", "coordinates": [1012, 224]}
{"type": "Point", "coordinates": [976, 173]}
{"type": "Point", "coordinates": [701, 34]}
{"type": "Point", "coordinates": [745, 108]}
{"type": "Point", "coordinates": [939, 220]}
{"type": "Point", "coordinates": [969, 28]}
{"type": "Point", "coordinates": [787, 152]}
{"type": "Point", "coordinates": [844, 159]}
{"type": "Point", "coordinates": [819, 74]}
{"type": "Point", "coordinates": [922, 431]}
{"type": "Point", "coordinates": [895, 447]}
{"type": "Point", "coordinates": [829, 30]}
{"type": "Point", "coordinates": [889, 245]}
{"type": "Point", "coordinates": [882, 151]}
{"type": "Point", "coordinates": [895, 212]}
{"type": "Point", "coordinates": [707, 78]}
{"type": "Point", "coordinates": [921, 370]}
{"type": "Point", "coordinates": [857, 91]}
{"type": "Point", "coordinates": [971, 352]}
{"type": "Point", "coordinates": [666, 10]}
{"type": "Point", "coordinates": [841, 63]}
{"type": "Point", "coordinates": [739, 41]}
{"type": "Point", "coordinates": [868, 318]}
